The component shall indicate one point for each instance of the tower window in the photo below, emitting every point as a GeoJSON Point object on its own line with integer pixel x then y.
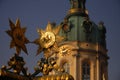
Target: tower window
{"type": "Point", "coordinates": [85, 71]}
{"type": "Point", "coordinates": [66, 66]}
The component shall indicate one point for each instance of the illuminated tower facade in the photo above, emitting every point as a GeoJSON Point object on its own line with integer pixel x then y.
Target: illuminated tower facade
{"type": "Point", "coordinates": [83, 54]}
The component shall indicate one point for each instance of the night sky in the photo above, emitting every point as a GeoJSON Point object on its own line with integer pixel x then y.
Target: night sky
{"type": "Point", "coordinates": [35, 14]}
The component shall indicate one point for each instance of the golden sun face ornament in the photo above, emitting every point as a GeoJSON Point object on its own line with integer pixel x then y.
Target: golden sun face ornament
{"type": "Point", "coordinates": [65, 50]}
{"type": "Point", "coordinates": [18, 38]}
{"type": "Point", "coordinates": [48, 39]}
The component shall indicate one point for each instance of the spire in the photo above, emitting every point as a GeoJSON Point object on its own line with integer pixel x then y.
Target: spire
{"type": "Point", "coordinates": [77, 4]}
{"type": "Point", "coordinates": [77, 7]}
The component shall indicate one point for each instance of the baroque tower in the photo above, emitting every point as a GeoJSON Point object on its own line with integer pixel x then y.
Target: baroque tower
{"type": "Point", "coordinates": [83, 54]}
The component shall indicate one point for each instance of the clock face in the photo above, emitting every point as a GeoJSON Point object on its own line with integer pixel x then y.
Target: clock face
{"type": "Point", "coordinates": [47, 39]}
{"type": "Point", "coordinates": [64, 50]}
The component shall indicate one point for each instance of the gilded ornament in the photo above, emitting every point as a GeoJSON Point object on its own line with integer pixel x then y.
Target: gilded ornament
{"type": "Point", "coordinates": [18, 38]}
{"type": "Point", "coordinates": [64, 50]}
{"type": "Point", "coordinates": [48, 40]}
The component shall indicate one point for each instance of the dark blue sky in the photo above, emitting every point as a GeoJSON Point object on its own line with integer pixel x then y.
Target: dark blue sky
{"type": "Point", "coordinates": [37, 13]}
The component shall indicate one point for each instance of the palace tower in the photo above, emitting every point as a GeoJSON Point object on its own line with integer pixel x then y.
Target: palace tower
{"type": "Point", "coordinates": [83, 54]}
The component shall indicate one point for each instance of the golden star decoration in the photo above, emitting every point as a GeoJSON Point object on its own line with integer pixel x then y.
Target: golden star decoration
{"type": "Point", "coordinates": [18, 38]}
{"type": "Point", "coordinates": [48, 40]}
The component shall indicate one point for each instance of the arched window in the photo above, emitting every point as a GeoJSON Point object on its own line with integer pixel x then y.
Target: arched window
{"type": "Point", "coordinates": [66, 66]}
{"type": "Point", "coordinates": [85, 71]}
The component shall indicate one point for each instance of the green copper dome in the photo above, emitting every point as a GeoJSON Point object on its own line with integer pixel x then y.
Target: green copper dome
{"type": "Point", "coordinates": [78, 27]}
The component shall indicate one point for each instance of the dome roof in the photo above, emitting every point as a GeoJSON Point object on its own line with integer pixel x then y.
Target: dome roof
{"type": "Point", "coordinates": [81, 28]}
{"type": "Point", "coordinates": [78, 27]}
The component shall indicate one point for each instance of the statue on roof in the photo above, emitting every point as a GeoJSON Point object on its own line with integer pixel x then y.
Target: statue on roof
{"type": "Point", "coordinates": [77, 4]}
{"type": "Point", "coordinates": [102, 33]}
